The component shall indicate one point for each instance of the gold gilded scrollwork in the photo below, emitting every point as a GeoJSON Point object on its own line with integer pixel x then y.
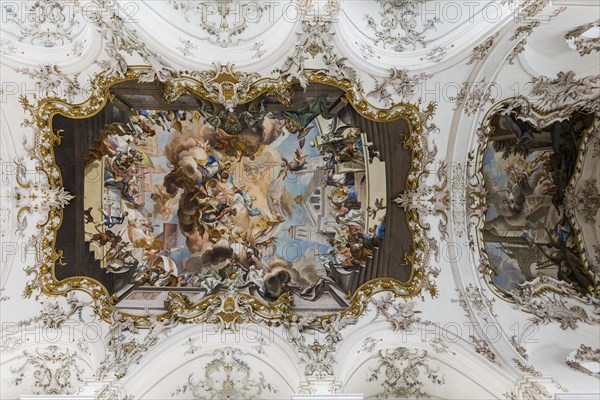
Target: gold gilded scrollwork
{"type": "Point", "coordinates": [540, 119]}
{"type": "Point", "coordinates": [230, 88]}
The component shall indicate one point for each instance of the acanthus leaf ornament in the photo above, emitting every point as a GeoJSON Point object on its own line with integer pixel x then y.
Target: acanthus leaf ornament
{"type": "Point", "coordinates": [7, 47]}
{"type": "Point", "coordinates": [316, 38]}
{"type": "Point", "coordinates": [368, 345]}
{"type": "Point", "coordinates": [126, 344]}
{"type": "Point", "coordinates": [38, 196]}
{"type": "Point", "coordinates": [120, 37]}
{"type": "Point", "coordinates": [437, 53]}
{"type": "Point", "coordinates": [403, 84]}
{"type": "Point", "coordinates": [534, 391]}
{"type": "Point", "coordinates": [522, 33]}
{"type": "Point", "coordinates": [519, 347]}
{"type": "Point", "coordinates": [585, 201]}
{"type": "Point", "coordinates": [404, 373]}
{"type": "Point", "coordinates": [481, 346]}
{"type": "Point", "coordinates": [584, 354]}
{"type": "Point", "coordinates": [578, 40]}
{"type": "Point", "coordinates": [482, 50]}
{"type": "Point", "coordinates": [225, 21]}
{"type": "Point", "coordinates": [475, 297]}
{"type": "Point", "coordinates": [526, 8]}
{"type": "Point", "coordinates": [52, 316]}
{"type": "Point", "coordinates": [529, 369]}
{"type": "Point", "coordinates": [54, 82]}
{"type": "Point", "coordinates": [402, 315]}
{"type": "Point", "coordinates": [563, 89]}
{"type": "Point", "coordinates": [474, 96]}
{"type": "Point", "coordinates": [227, 310]}
{"type": "Point", "coordinates": [227, 86]}
{"type": "Point", "coordinates": [398, 25]}
{"type": "Point", "coordinates": [421, 201]}
{"type": "Point", "coordinates": [317, 356]}
{"type": "Point", "coordinates": [549, 300]}
{"type": "Point", "coordinates": [535, 388]}
{"type": "Point", "coordinates": [186, 47]}
{"type": "Point", "coordinates": [47, 23]}
{"type": "Point", "coordinates": [239, 381]}
{"type": "Point", "coordinates": [57, 372]}
{"type": "Point", "coordinates": [518, 49]}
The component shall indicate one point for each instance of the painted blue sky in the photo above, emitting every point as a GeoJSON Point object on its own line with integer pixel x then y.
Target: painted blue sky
{"type": "Point", "coordinates": [289, 248]}
{"type": "Point", "coordinates": [286, 247]}
{"type": "Point", "coordinates": [493, 171]}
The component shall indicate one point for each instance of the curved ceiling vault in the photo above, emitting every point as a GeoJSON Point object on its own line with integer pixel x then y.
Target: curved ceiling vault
{"type": "Point", "coordinates": [441, 158]}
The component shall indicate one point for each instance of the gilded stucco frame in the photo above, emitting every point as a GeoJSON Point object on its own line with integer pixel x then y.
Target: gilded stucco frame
{"type": "Point", "coordinates": [540, 119]}
{"type": "Point", "coordinates": [221, 86]}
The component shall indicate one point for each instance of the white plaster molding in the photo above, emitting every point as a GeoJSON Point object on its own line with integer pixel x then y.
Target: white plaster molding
{"type": "Point", "coordinates": [279, 38]}
{"type": "Point", "coordinates": [459, 355]}
{"type": "Point", "coordinates": [460, 40]}
{"type": "Point", "coordinates": [168, 356]}
{"type": "Point", "coordinates": [162, 361]}
{"type": "Point", "coordinates": [463, 139]}
{"type": "Point", "coordinates": [327, 397]}
{"type": "Point", "coordinates": [57, 397]}
{"type": "Point", "coordinates": [466, 273]}
{"type": "Point", "coordinates": [93, 390]}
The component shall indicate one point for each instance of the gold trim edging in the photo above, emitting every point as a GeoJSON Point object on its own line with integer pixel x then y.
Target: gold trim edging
{"type": "Point", "coordinates": [177, 305]}
{"type": "Point", "coordinates": [540, 118]}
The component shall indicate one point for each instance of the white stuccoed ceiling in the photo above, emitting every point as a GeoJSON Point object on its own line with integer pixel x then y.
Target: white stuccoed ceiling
{"type": "Point", "coordinates": [439, 334]}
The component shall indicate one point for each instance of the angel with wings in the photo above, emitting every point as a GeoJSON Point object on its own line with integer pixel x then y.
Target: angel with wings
{"type": "Point", "coordinates": [298, 163]}
{"type": "Point", "coordinates": [164, 203]}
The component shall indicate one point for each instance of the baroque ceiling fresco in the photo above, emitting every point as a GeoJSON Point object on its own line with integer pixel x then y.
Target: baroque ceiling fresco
{"type": "Point", "coordinates": [528, 172]}
{"type": "Point", "coordinates": [292, 200]}
{"type": "Point", "coordinates": [286, 200]}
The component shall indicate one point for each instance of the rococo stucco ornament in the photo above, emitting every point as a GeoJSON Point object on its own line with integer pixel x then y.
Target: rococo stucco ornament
{"type": "Point", "coordinates": [400, 371]}
{"type": "Point", "coordinates": [52, 25]}
{"type": "Point", "coordinates": [446, 195]}
{"type": "Point", "coordinates": [57, 371]}
{"type": "Point", "coordinates": [316, 38]}
{"type": "Point", "coordinates": [562, 90]}
{"type": "Point", "coordinates": [585, 201]}
{"type": "Point", "coordinates": [584, 354]}
{"type": "Point", "coordinates": [401, 315]}
{"type": "Point", "coordinates": [521, 34]}
{"type": "Point", "coordinates": [226, 87]}
{"type": "Point", "coordinates": [403, 84]}
{"type": "Point", "coordinates": [224, 22]}
{"type": "Point", "coordinates": [227, 376]}
{"type": "Point", "coordinates": [578, 40]}
{"type": "Point", "coordinates": [401, 25]}
{"type": "Point", "coordinates": [548, 297]}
